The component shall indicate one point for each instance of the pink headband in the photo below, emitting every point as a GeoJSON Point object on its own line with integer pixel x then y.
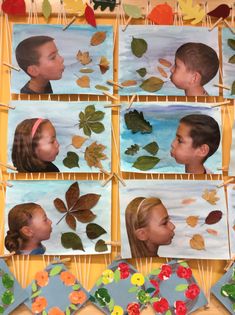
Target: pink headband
{"type": "Point", "coordinates": [35, 126]}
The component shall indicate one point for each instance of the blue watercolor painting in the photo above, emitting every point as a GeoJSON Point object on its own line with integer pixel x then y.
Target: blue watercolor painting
{"type": "Point", "coordinates": [44, 193]}
{"type": "Point", "coordinates": [164, 119]}
{"type": "Point", "coordinates": [64, 116]}
{"type": "Point", "coordinates": [232, 154]}
{"type": "Point", "coordinates": [196, 208]}
{"type": "Point", "coordinates": [162, 43]}
{"type": "Point", "coordinates": [231, 214]}
{"type": "Point", "coordinates": [69, 42]}
{"type": "Point", "coordinates": [228, 68]}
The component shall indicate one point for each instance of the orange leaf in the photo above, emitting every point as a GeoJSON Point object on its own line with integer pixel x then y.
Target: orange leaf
{"type": "Point", "coordinates": [104, 64]}
{"type": "Point", "coordinates": [72, 195]}
{"type": "Point", "coordinates": [162, 72]}
{"type": "Point", "coordinates": [197, 242]}
{"type": "Point", "coordinates": [60, 206]}
{"type": "Point", "coordinates": [212, 232]}
{"type": "Point", "coordinates": [84, 81]}
{"type": "Point", "coordinates": [188, 201]}
{"type": "Point", "coordinates": [84, 57]}
{"type": "Point", "coordinates": [77, 141]}
{"type": "Point", "coordinates": [161, 14]}
{"type": "Point", "coordinates": [84, 216]}
{"type": "Point", "coordinates": [129, 83]}
{"type": "Point", "coordinates": [165, 62]}
{"type": "Point", "coordinates": [192, 220]}
{"type": "Point", "coordinates": [98, 38]}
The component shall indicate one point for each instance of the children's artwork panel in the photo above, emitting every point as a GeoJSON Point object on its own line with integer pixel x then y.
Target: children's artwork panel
{"type": "Point", "coordinates": [76, 215]}
{"type": "Point", "coordinates": [228, 49]}
{"type": "Point", "coordinates": [147, 132]}
{"type": "Point", "coordinates": [231, 213]}
{"type": "Point", "coordinates": [148, 51]}
{"type": "Point", "coordinates": [11, 293]}
{"type": "Point", "coordinates": [87, 54]}
{"type": "Point", "coordinates": [190, 221]}
{"type": "Point", "coordinates": [232, 154]}
{"type": "Point", "coordinates": [80, 140]}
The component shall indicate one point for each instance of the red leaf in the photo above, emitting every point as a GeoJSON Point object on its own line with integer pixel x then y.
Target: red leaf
{"type": "Point", "coordinates": [14, 7]}
{"type": "Point", "coordinates": [71, 221]}
{"type": "Point", "coordinates": [84, 216]}
{"type": "Point", "coordinates": [161, 14]}
{"type": "Point", "coordinates": [72, 195]}
{"type": "Point", "coordinates": [222, 11]}
{"type": "Point", "coordinates": [90, 16]}
{"type": "Point", "coordinates": [60, 206]}
{"type": "Point", "coordinates": [214, 217]}
{"type": "Point", "coordinates": [87, 201]}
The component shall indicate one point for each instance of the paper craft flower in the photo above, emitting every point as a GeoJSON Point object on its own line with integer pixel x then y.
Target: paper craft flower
{"type": "Point", "coordinates": [161, 306]}
{"type": "Point", "coordinates": [180, 308]}
{"type": "Point", "coordinates": [39, 304]}
{"type": "Point", "coordinates": [183, 272]}
{"type": "Point", "coordinates": [124, 270]}
{"type": "Point", "coordinates": [137, 279]}
{"type": "Point", "coordinates": [193, 291]}
{"type": "Point", "coordinates": [165, 273]}
{"type": "Point", "coordinates": [68, 278]}
{"type": "Point", "coordinates": [117, 310]}
{"type": "Point", "coordinates": [42, 278]}
{"type": "Point", "coordinates": [156, 286]}
{"type": "Point", "coordinates": [107, 276]}
{"type": "Point", "coordinates": [77, 297]}
{"type": "Point", "coordinates": [133, 309]}
{"type": "Point", "coordinates": [143, 296]}
{"type": "Point", "coordinates": [102, 296]}
{"type": "Point", "coordinates": [55, 311]}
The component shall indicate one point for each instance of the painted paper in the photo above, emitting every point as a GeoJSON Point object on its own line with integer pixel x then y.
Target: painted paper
{"type": "Point", "coordinates": [231, 214]}
{"type": "Point", "coordinates": [232, 154]}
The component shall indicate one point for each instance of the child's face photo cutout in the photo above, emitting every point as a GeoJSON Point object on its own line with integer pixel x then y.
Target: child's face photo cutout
{"type": "Point", "coordinates": [168, 60]}
{"type": "Point", "coordinates": [56, 139]}
{"type": "Point", "coordinates": [171, 138]}
{"type": "Point", "coordinates": [191, 226]}
{"type": "Point", "coordinates": [60, 64]}
{"type": "Point", "coordinates": [49, 217]}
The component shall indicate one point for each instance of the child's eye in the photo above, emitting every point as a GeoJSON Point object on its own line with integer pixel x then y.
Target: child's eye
{"type": "Point", "coordinates": [179, 140]}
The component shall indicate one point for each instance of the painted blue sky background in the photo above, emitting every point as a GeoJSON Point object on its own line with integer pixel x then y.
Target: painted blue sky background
{"type": "Point", "coordinates": [163, 41]}
{"type": "Point", "coordinates": [232, 153]}
{"type": "Point", "coordinates": [69, 42]}
{"type": "Point", "coordinates": [172, 193]}
{"type": "Point", "coordinates": [228, 68]}
{"type": "Point", "coordinates": [65, 117]}
{"type": "Point", "coordinates": [44, 193]}
{"type": "Point", "coordinates": [164, 119]}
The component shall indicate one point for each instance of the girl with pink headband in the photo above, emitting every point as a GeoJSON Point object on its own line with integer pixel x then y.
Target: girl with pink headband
{"type": "Point", "coordinates": [35, 146]}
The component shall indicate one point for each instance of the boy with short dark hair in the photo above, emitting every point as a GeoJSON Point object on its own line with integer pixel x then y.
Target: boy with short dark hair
{"type": "Point", "coordinates": [195, 65]}
{"type": "Point", "coordinates": [197, 138]}
{"type": "Point", "coordinates": [38, 56]}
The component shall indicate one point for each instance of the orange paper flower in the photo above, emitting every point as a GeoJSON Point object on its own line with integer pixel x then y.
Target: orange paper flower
{"type": "Point", "coordinates": [39, 304]}
{"type": "Point", "coordinates": [67, 278]}
{"type": "Point", "coordinates": [42, 278]}
{"type": "Point", "coordinates": [77, 297]}
{"type": "Point", "coordinates": [55, 311]}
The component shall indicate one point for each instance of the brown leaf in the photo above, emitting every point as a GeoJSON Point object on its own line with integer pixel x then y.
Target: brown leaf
{"type": "Point", "coordinates": [162, 72]}
{"type": "Point", "coordinates": [84, 216]}
{"type": "Point", "coordinates": [77, 141]}
{"type": "Point", "coordinates": [210, 196]}
{"type": "Point", "coordinates": [84, 57]}
{"type": "Point", "coordinates": [192, 220]}
{"type": "Point", "coordinates": [72, 195]}
{"type": "Point", "coordinates": [214, 217]}
{"type": "Point", "coordinates": [94, 154]}
{"type": "Point", "coordinates": [197, 242]}
{"type": "Point", "coordinates": [87, 201]}
{"type": "Point", "coordinates": [104, 64]}
{"type": "Point", "coordinates": [60, 206]}
{"type": "Point", "coordinates": [188, 201]}
{"type": "Point", "coordinates": [165, 62]}
{"type": "Point", "coordinates": [212, 232]}
{"type": "Point", "coordinates": [98, 38]}
{"type": "Point", "coordinates": [71, 221]}
{"type": "Point", "coordinates": [83, 82]}
{"type": "Point", "coordinates": [129, 83]}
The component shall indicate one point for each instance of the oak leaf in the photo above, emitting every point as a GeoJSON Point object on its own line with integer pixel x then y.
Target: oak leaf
{"type": "Point", "coordinates": [197, 242]}
{"type": "Point", "coordinates": [210, 196]}
{"type": "Point", "coordinates": [77, 141]}
{"type": "Point", "coordinates": [84, 57]}
{"type": "Point", "coordinates": [192, 220]}
{"type": "Point", "coordinates": [94, 154]}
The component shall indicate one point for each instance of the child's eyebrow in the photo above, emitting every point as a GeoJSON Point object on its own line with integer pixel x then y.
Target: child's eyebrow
{"type": "Point", "coordinates": [179, 136]}
{"type": "Point", "coordinates": [53, 53]}
{"type": "Point", "coordinates": [165, 219]}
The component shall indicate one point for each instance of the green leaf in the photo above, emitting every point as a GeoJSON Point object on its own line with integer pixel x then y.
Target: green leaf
{"type": "Point", "coordinates": [76, 287]}
{"type": "Point", "coordinates": [181, 287]}
{"type": "Point", "coordinates": [136, 123]}
{"type": "Point", "coordinates": [36, 294]}
{"type": "Point", "coordinates": [71, 240]}
{"type": "Point", "coordinates": [168, 312]}
{"type": "Point", "coordinates": [7, 281]}
{"type": "Point", "coordinates": [55, 271]}
{"type": "Point", "coordinates": [152, 148]}
{"type": "Point", "coordinates": [231, 43]}
{"type": "Point", "coordinates": [228, 290]}
{"type": "Point", "coordinates": [111, 305]}
{"type": "Point", "coordinates": [34, 286]}
{"type": "Point", "coordinates": [90, 121]}
{"type": "Point", "coordinates": [100, 246]}
{"type": "Point", "coordinates": [73, 307]}
{"type": "Point", "coordinates": [152, 84]}
{"type": "Point", "coordinates": [132, 10]}
{"type": "Point", "coordinates": [2, 309]}
{"type": "Point", "coordinates": [86, 70]}
{"type": "Point", "coordinates": [87, 130]}
{"type": "Point", "coordinates": [133, 289]}
{"type": "Point", "coordinates": [233, 88]}
{"type": "Point", "coordinates": [94, 230]}
{"type": "Point", "coordinates": [150, 290]}
{"type": "Point", "coordinates": [183, 264]}
{"type": "Point", "coordinates": [155, 272]}
{"type": "Point", "coordinates": [99, 281]}
{"type": "Point", "coordinates": [67, 312]}
{"type": "Point", "coordinates": [132, 150]}
{"type": "Point", "coordinates": [232, 59]}
{"type": "Point", "coordinates": [44, 312]}
{"type": "Point", "coordinates": [154, 299]}
{"type": "Point", "coordinates": [96, 127]}
{"type": "Point", "coordinates": [116, 275]}
{"type": "Point", "coordinates": [97, 116]}
{"type": "Point", "coordinates": [145, 163]}
{"type": "Point", "coordinates": [8, 297]}
{"type": "Point", "coordinates": [71, 160]}
{"type": "Point", "coordinates": [102, 87]}
{"type": "Point", "coordinates": [81, 116]}
{"type": "Point", "coordinates": [233, 306]}
{"type": "Point", "coordinates": [138, 47]}
{"type": "Point", "coordinates": [142, 72]}
{"type": "Point", "coordinates": [89, 110]}
{"type": "Point", "coordinates": [46, 9]}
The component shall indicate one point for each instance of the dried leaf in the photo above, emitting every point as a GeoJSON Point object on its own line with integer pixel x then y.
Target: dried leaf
{"type": "Point", "coordinates": [233, 88]}
{"type": "Point", "coordinates": [162, 14]}
{"type": "Point", "coordinates": [90, 120]}
{"type": "Point", "coordinates": [70, 220]}
{"type": "Point", "coordinates": [104, 64]}
{"type": "Point", "coordinates": [197, 242]}
{"type": "Point", "coordinates": [71, 240]}
{"type": "Point", "coordinates": [83, 82]}
{"type": "Point", "coordinates": [98, 38]}
{"type": "Point", "coordinates": [77, 141]}
{"type": "Point", "coordinates": [132, 150]}
{"type": "Point", "coordinates": [72, 195]}
{"type": "Point", "coordinates": [129, 83]}
{"type": "Point", "coordinates": [152, 148]}
{"type": "Point", "coordinates": [152, 84]}
{"type": "Point", "coordinates": [72, 6]}
{"type": "Point", "coordinates": [86, 70]}
{"type": "Point", "coordinates": [100, 246]}
{"type": "Point", "coordinates": [214, 217]}
{"type": "Point", "coordinates": [212, 232]}
{"type": "Point", "coordinates": [71, 160]}
{"type": "Point", "coordinates": [84, 57]}
{"type": "Point", "coordinates": [221, 11]}
{"type": "Point", "coordinates": [60, 206]}
{"type": "Point", "coordinates": [87, 201]}
{"type": "Point", "coordinates": [102, 87]}
{"type": "Point", "coordinates": [231, 43]}
{"type": "Point", "coordinates": [142, 72]}
{"type": "Point", "coordinates": [138, 47]}
{"type": "Point", "coordinates": [94, 154]}
{"type": "Point", "coordinates": [46, 9]}
{"type": "Point", "coordinates": [84, 216]}
{"type": "Point", "coordinates": [90, 16]}
{"type": "Point", "coordinates": [232, 59]}
{"type": "Point", "coordinates": [162, 72]}
{"type": "Point", "coordinates": [94, 230]}
{"type": "Point", "coordinates": [165, 62]}
{"type": "Point", "coordinates": [191, 12]}
{"type": "Point", "coordinates": [136, 123]}
{"type": "Point", "coordinates": [192, 220]}
{"type": "Point", "coordinates": [145, 163]}
{"type": "Point", "coordinates": [132, 10]}
{"type": "Point", "coordinates": [210, 196]}
{"type": "Point", "coordinates": [188, 201]}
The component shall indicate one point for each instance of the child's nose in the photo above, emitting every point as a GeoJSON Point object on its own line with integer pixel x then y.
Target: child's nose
{"type": "Point", "coordinates": [172, 69]}
{"type": "Point", "coordinates": [172, 226]}
{"type": "Point", "coordinates": [172, 144]}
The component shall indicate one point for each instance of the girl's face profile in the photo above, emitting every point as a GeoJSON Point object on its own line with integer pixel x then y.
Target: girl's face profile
{"type": "Point", "coordinates": [48, 147]}
{"type": "Point", "coordinates": [40, 225]}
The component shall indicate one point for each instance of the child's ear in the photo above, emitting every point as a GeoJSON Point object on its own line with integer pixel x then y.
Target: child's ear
{"type": "Point", "coordinates": [141, 234]}
{"type": "Point", "coordinates": [203, 150]}
{"type": "Point", "coordinates": [196, 79]}
{"type": "Point", "coordinates": [26, 231]}
{"type": "Point", "coordinates": [33, 70]}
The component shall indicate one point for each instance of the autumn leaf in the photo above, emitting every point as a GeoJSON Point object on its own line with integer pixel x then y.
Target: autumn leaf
{"type": "Point", "coordinates": [71, 240]}
{"type": "Point", "coordinates": [210, 196]}
{"type": "Point", "coordinates": [165, 62]}
{"type": "Point", "coordinates": [94, 154]}
{"type": "Point", "coordinates": [188, 201]}
{"type": "Point", "coordinates": [152, 84]}
{"type": "Point", "coordinates": [214, 217]}
{"type": "Point", "coordinates": [132, 10]}
{"type": "Point", "coordinates": [212, 232]}
{"type": "Point", "coordinates": [136, 122]}
{"type": "Point", "coordinates": [72, 6]}
{"type": "Point", "coordinates": [100, 246]}
{"type": "Point", "coordinates": [86, 70]}
{"type": "Point", "coordinates": [192, 220]}
{"type": "Point", "coordinates": [101, 87]}
{"type": "Point", "coordinates": [84, 57]}
{"type": "Point", "coordinates": [197, 242]}
{"type": "Point", "coordinates": [83, 82]}
{"type": "Point", "coordinates": [138, 47]}
{"type": "Point", "coordinates": [104, 64]}
{"type": "Point", "coordinates": [77, 141]}
{"type": "Point", "coordinates": [151, 148]}
{"type": "Point", "coordinates": [71, 160]}
{"type": "Point", "coordinates": [129, 83]}
{"type": "Point", "coordinates": [162, 72]}
{"type": "Point", "coordinates": [89, 120]}
{"type": "Point", "coordinates": [132, 150]}
{"type": "Point", "coordinates": [98, 38]}
{"type": "Point", "coordinates": [142, 72]}
{"type": "Point", "coordinates": [145, 163]}
{"type": "Point", "coordinates": [191, 12]}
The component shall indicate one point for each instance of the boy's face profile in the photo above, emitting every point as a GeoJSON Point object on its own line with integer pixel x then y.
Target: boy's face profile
{"type": "Point", "coordinates": [181, 77]}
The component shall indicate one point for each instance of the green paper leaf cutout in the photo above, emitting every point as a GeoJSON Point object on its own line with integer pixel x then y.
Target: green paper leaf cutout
{"type": "Point", "coordinates": [90, 120]}
{"type": "Point", "coordinates": [132, 150]}
{"type": "Point", "coordinates": [233, 275]}
{"type": "Point", "coordinates": [145, 163]}
{"type": "Point", "coordinates": [155, 272]}
{"type": "Point", "coordinates": [233, 307]}
{"type": "Point", "coordinates": [46, 9]}
{"type": "Point", "coordinates": [116, 275]}
{"type": "Point", "coordinates": [133, 289]}
{"type": "Point", "coordinates": [181, 287]}
{"type": "Point", "coordinates": [100, 246]}
{"type": "Point", "coordinates": [2, 309]}
{"type": "Point", "coordinates": [138, 47]}
{"type": "Point", "coordinates": [73, 307]}
{"type": "Point", "coordinates": [55, 271]}
{"type": "Point", "coordinates": [36, 294]}
{"type": "Point", "coordinates": [67, 312]}
{"type": "Point", "coordinates": [142, 72]}
{"type": "Point", "coordinates": [44, 312]}
{"type": "Point", "coordinates": [136, 123]}
{"type": "Point", "coordinates": [86, 70]}
{"type": "Point", "coordinates": [102, 87]}
{"type": "Point", "coordinates": [94, 230]}
{"type": "Point", "coordinates": [71, 240]}
{"type": "Point", "coordinates": [152, 84]}
{"type": "Point", "coordinates": [150, 290]}
{"type": "Point", "coordinates": [71, 160]}
{"type": "Point", "coordinates": [168, 312]}
{"type": "Point", "coordinates": [154, 299]}
{"type": "Point", "coordinates": [34, 286]}
{"type": "Point", "coordinates": [8, 297]}
{"type": "Point", "coordinates": [228, 290]}
{"type": "Point", "coordinates": [7, 281]}
{"type": "Point", "coordinates": [214, 217]}
{"type": "Point", "coordinates": [152, 148]}
{"type": "Point", "coordinates": [233, 88]}
{"type": "Point", "coordinates": [231, 43]}
{"type": "Point", "coordinates": [76, 287]}
{"type": "Point", "coordinates": [232, 59]}
{"type": "Point", "coordinates": [111, 305]}
{"type": "Point", "coordinates": [92, 298]}
{"type": "Point", "coordinates": [132, 10]}
{"type": "Point", "coordinates": [99, 281]}
{"type": "Point", "coordinates": [183, 264]}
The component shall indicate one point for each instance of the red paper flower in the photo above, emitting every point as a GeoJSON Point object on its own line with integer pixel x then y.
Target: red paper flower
{"type": "Point", "coordinates": [14, 7]}
{"type": "Point", "coordinates": [183, 272]}
{"type": "Point", "coordinates": [156, 286]}
{"type": "Point", "coordinates": [124, 270]}
{"type": "Point", "coordinates": [193, 291]}
{"type": "Point", "coordinates": [133, 309]}
{"type": "Point", "coordinates": [165, 273]}
{"type": "Point", "coordinates": [161, 306]}
{"type": "Point", "coordinates": [180, 308]}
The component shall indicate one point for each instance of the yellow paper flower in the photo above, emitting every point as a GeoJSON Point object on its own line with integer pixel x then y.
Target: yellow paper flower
{"type": "Point", "coordinates": [107, 276]}
{"type": "Point", "coordinates": [137, 279]}
{"type": "Point", "coordinates": [117, 310]}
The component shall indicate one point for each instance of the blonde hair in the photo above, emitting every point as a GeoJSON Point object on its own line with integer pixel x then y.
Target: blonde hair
{"type": "Point", "coordinates": [137, 216]}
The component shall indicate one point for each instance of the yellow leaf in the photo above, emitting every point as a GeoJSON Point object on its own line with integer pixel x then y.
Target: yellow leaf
{"type": "Point", "coordinates": [77, 141]}
{"type": "Point", "coordinates": [210, 196]}
{"type": "Point", "coordinates": [212, 232]}
{"type": "Point", "coordinates": [83, 81]}
{"type": "Point", "coordinates": [197, 242]}
{"type": "Point", "coordinates": [162, 72]}
{"type": "Point", "coordinates": [192, 220]}
{"type": "Point", "coordinates": [191, 12]}
{"type": "Point", "coordinates": [129, 83]}
{"type": "Point", "coordinates": [165, 62]}
{"type": "Point", "coordinates": [188, 201]}
{"type": "Point", "coordinates": [104, 64]}
{"type": "Point", "coordinates": [75, 6]}
{"type": "Point", "coordinates": [98, 38]}
{"type": "Point", "coordinates": [84, 57]}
